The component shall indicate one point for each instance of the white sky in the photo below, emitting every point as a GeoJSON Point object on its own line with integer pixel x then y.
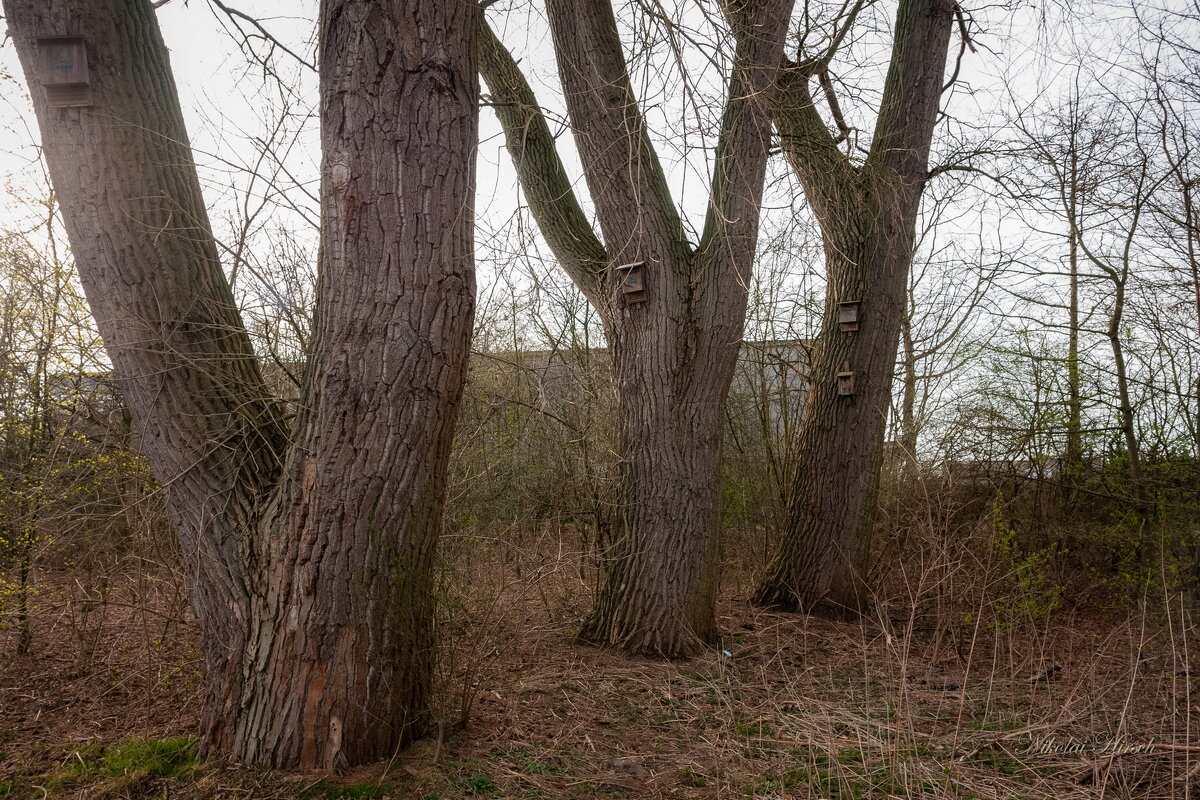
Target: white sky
{"type": "Point", "coordinates": [221, 96]}
{"type": "Point", "coordinates": [228, 104]}
{"type": "Point", "coordinates": [1023, 51]}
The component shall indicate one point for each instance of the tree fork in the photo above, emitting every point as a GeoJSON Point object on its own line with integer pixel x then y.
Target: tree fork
{"type": "Point", "coordinates": [674, 354]}
{"type": "Point", "coordinates": [310, 564]}
{"type": "Point", "coordinates": [867, 215]}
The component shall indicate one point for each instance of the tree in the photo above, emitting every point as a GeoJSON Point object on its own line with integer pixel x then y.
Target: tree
{"type": "Point", "coordinates": [673, 354]}
{"type": "Point", "coordinates": [1102, 179]}
{"type": "Point", "coordinates": [308, 544]}
{"type": "Point", "coordinates": [867, 212]}
{"type": "Point", "coordinates": [946, 285]}
{"type": "Point", "coordinates": [37, 317]}
{"type": "Point", "coordinates": [1173, 87]}
{"type": "Point", "coordinates": [1069, 196]}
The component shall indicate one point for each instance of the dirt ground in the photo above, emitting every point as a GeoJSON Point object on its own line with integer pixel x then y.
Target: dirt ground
{"type": "Point", "coordinates": [1099, 706]}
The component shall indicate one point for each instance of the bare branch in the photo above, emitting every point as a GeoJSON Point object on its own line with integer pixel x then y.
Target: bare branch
{"type": "Point", "coordinates": [235, 15]}
{"type": "Point", "coordinates": [543, 177]}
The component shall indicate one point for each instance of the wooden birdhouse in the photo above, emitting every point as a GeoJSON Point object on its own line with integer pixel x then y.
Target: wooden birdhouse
{"type": "Point", "coordinates": [848, 315]}
{"type": "Point", "coordinates": [845, 383]}
{"type": "Point", "coordinates": [632, 278]}
{"type": "Point", "coordinates": [63, 71]}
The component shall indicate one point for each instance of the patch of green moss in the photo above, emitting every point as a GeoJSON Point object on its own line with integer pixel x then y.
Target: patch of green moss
{"type": "Point", "coordinates": [850, 755]}
{"type": "Point", "coordinates": [757, 728]}
{"type": "Point", "coordinates": [365, 790]}
{"type": "Point", "coordinates": [529, 761]}
{"type": "Point", "coordinates": [160, 758]}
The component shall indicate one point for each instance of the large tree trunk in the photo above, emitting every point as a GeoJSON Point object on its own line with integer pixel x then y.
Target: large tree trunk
{"type": "Point", "coordinates": [868, 216]}
{"type": "Point", "coordinates": [673, 354]}
{"type": "Point", "coordinates": [313, 592]}
{"type": "Point", "coordinates": [659, 596]}
{"type": "Point", "coordinates": [822, 561]}
{"type": "Point", "coordinates": [338, 667]}
{"type": "Point", "coordinates": [123, 173]}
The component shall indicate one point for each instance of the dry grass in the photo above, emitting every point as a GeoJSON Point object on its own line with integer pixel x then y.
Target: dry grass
{"type": "Point", "coordinates": [787, 707]}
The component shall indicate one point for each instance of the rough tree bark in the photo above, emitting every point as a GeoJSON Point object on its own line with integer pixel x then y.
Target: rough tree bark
{"type": "Point", "coordinates": [674, 354]}
{"type": "Point", "coordinates": [310, 555]}
{"type": "Point", "coordinates": [867, 215]}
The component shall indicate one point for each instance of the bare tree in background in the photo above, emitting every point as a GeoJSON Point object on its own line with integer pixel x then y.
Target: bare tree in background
{"type": "Point", "coordinates": [867, 210]}
{"type": "Point", "coordinates": [39, 312]}
{"type": "Point", "coordinates": [1103, 180]}
{"type": "Point", "coordinates": [309, 544]}
{"type": "Point", "coordinates": [1173, 74]}
{"type": "Point", "coordinates": [947, 283]}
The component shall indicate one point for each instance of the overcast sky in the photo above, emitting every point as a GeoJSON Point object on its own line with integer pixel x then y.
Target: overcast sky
{"type": "Point", "coordinates": [222, 96]}
{"type": "Point", "coordinates": [1023, 51]}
